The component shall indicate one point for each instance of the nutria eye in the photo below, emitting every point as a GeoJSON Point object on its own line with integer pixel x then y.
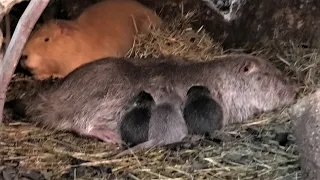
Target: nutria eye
{"type": "Point", "coordinates": [46, 39]}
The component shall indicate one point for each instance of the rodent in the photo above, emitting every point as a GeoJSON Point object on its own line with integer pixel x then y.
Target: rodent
{"type": "Point", "coordinates": [94, 95]}
{"type": "Point", "coordinates": [202, 113]}
{"type": "Point", "coordinates": [166, 125]}
{"type": "Point", "coordinates": [134, 124]}
{"type": "Point", "coordinates": [104, 29]}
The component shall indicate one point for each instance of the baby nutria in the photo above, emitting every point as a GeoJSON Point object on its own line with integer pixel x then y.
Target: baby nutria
{"type": "Point", "coordinates": [134, 124]}
{"type": "Point", "coordinates": [166, 125]}
{"type": "Point", "coordinates": [203, 115]}
{"type": "Point", "coordinates": [90, 99]}
{"type": "Point", "coordinates": [104, 29]}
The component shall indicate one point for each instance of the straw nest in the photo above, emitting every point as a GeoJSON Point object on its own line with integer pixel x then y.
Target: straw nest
{"type": "Point", "coordinates": [263, 148]}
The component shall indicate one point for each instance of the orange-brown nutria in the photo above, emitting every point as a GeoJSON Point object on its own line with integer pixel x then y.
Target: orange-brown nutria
{"type": "Point", "coordinates": [105, 29]}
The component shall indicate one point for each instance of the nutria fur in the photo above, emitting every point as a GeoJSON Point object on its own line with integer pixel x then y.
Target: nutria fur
{"type": "Point", "coordinates": [203, 114]}
{"type": "Point", "coordinates": [134, 124]}
{"type": "Point", "coordinates": [94, 94]}
{"type": "Point", "coordinates": [104, 29]}
{"type": "Point", "coordinates": [305, 118]}
{"type": "Point", "coordinates": [167, 125]}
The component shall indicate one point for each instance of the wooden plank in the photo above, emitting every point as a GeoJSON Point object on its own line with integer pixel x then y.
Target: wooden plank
{"type": "Point", "coordinates": [14, 51]}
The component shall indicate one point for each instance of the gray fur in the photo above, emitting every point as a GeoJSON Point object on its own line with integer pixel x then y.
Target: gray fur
{"type": "Point", "coordinates": [167, 124]}
{"type": "Point", "coordinates": [202, 113]}
{"type": "Point", "coordinates": [94, 94]}
{"type": "Point", "coordinates": [134, 124]}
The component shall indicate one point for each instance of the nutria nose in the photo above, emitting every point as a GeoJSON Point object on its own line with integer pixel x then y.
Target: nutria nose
{"type": "Point", "coordinates": [24, 57]}
{"type": "Point", "coordinates": [23, 60]}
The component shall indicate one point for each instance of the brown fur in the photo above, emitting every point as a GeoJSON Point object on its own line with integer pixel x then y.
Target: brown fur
{"type": "Point", "coordinates": [105, 29]}
{"type": "Point", "coordinates": [94, 94]}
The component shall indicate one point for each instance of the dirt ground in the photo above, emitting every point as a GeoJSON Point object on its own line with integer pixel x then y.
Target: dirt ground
{"type": "Point", "coordinates": [262, 148]}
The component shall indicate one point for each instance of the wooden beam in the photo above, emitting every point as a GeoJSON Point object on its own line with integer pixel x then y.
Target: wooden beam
{"type": "Point", "coordinates": [12, 55]}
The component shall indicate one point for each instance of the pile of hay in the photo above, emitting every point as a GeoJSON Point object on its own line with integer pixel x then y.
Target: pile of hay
{"type": "Point", "coordinates": [176, 38]}
{"type": "Point", "coordinates": [261, 149]}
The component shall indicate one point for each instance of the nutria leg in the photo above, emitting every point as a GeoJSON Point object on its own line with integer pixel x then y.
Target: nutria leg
{"type": "Point", "coordinates": [105, 134]}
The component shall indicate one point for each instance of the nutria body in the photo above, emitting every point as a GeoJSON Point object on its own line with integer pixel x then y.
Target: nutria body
{"type": "Point", "coordinates": [167, 124]}
{"type": "Point", "coordinates": [104, 29]}
{"type": "Point", "coordinates": [93, 96]}
{"type": "Point", "coordinates": [203, 114]}
{"type": "Point", "coordinates": [134, 125]}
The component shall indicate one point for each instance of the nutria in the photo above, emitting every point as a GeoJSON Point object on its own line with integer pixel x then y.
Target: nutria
{"type": "Point", "coordinates": [167, 125]}
{"type": "Point", "coordinates": [203, 114]}
{"type": "Point", "coordinates": [93, 95]}
{"type": "Point", "coordinates": [134, 124]}
{"type": "Point", "coordinates": [104, 29]}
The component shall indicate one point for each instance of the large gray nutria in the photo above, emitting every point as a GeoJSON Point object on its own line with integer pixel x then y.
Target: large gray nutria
{"type": "Point", "coordinates": [166, 125]}
{"type": "Point", "coordinates": [202, 113]}
{"type": "Point", "coordinates": [134, 124]}
{"type": "Point", "coordinates": [90, 100]}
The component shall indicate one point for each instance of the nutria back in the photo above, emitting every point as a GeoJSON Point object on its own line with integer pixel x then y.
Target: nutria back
{"type": "Point", "coordinates": [114, 11]}
{"type": "Point", "coordinates": [134, 124]}
{"type": "Point", "coordinates": [202, 113]}
{"type": "Point", "coordinates": [95, 94]}
{"type": "Point", "coordinates": [167, 124]}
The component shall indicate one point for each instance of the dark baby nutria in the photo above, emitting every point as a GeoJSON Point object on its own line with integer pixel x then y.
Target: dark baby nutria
{"type": "Point", "coordinates": [166, 125]}
{"type": "Point", "coordinates": [90, 101]}
{"type": "Point", "coordinates": [203, 115]}
{"type": "Point", "coordinates": [134, 124]}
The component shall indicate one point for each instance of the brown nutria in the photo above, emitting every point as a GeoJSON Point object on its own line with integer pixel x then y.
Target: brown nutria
{"type": "Point", "coordinates": [93, 95]}
{"type": "Point", "coordinates": [203, 114]}
{"type": "Point", "coordinates": [167, 125]}
{"type": "Point", "coordinates": [134, 124]}
{"type": "Point", "coordinates": [104, 29]}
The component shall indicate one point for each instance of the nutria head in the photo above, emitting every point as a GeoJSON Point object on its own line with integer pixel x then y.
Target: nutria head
{"type": "Point", "coordinates": [57, 48]}
{"type": "Point", "coordinates": [254, 85]}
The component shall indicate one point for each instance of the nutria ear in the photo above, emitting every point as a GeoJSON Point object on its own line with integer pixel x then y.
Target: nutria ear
{"type": "Point", "coordinates": [65, 26]}
{"type": "Point", "coordinates": [248, 67]}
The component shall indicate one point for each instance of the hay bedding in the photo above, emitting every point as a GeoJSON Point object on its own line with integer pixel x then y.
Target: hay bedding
{"type": "Point", "coordinates": [262, 148]}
